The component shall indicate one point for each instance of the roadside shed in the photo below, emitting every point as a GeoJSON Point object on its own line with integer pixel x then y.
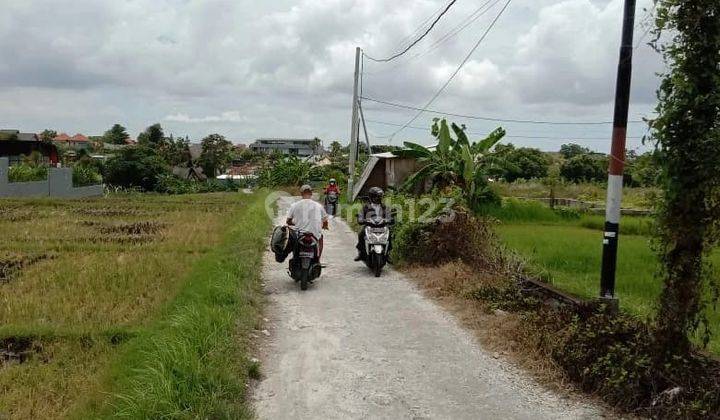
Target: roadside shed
{"type": "Point", "coordinates": [384, 170]}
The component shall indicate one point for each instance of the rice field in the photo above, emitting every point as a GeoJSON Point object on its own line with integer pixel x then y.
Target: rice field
{"type": "Point", "coordinates": [89, 290]}
{"type": "Point", "coordinates": [565, 248]}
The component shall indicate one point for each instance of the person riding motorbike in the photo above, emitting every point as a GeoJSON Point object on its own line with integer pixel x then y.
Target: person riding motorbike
{"type": "Point", "coordinates": [332, 187]}
{"type": "Point", "coordinates": [307, 215]}
{"type": "Point", "coordinates": [372, 209]}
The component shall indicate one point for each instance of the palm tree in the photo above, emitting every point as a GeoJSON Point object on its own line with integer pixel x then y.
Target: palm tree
{"type": "Point", "coordinates": [454, 161]}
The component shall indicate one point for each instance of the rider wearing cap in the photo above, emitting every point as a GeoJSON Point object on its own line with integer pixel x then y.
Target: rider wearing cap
{"type": "Point", "coordinates": [372, 209]}
{"type": "Point", "coordinates": [308, 215]}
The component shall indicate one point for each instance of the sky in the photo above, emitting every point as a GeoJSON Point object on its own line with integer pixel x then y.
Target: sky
{"type": "Point", "coordinates": [284, 68]}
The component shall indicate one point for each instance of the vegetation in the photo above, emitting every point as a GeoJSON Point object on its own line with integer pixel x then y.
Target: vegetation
{"type": "Point", "coordinates": [48, 135]}
{"type": "Point", "coordinates": [25, 172]}
{"type": "Point", "coordinates": [85, 174]}
{"type": "Point", "coordinates": [454, 162]}
{"type": "Point", "coordinates": [116, 135]}
{"type": "Point", "coordinates": [132, 305]}
{"type": "Point", "coordinates": [585, 168]}
{"type": "Point", "coordinates": [511, 163]}
{"type": "Point", "coordinates": [285, 171]}
{"type": "Point", "coordinates": [135, 167]}
{"type": "Point", "coordinates": [216, 154]}
{"type": "Point", "coordinates": [687, 131]}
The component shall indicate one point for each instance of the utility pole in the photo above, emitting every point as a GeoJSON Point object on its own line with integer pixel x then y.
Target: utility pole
{"type": "Point", "coordinates": [354, 127]}
{"type": "Point", "coordinates": [617, 157]}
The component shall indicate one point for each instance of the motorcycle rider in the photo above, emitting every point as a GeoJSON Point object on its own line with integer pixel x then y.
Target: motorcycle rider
{"type": "Point", "coordinates": [308, 215]}
{"type": "Point", "coordinates": [372, 209]}
{"type": "Point", "coordinates": [332, 187]}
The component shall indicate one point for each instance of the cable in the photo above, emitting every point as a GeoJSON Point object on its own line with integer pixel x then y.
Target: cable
{"type": "Point", "coordinates": [473, 17]}
{"type": "Point", "coordinates": [384, 60]}
{"type": "Point", "coordinates": [506, 120]}
{"type": "Point", "coordinates": [418, 29]}
{"type": "Point", "coordinates": [475, 133]}
{"type": "Point", "coordinates": [467, 57]}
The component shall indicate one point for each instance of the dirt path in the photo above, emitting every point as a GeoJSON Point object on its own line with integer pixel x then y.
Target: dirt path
{"type": "Point", "coordinates": [354, 346]}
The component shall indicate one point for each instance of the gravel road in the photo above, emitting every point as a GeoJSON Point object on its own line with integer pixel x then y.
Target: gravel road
{"type": "Point", "coordinates": [355, 346]}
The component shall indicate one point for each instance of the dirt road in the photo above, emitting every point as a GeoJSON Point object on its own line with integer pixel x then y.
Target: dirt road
{"type": "Point", "coordinates": [354, 346]}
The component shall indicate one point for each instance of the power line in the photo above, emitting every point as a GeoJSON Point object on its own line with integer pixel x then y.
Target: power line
{"type": "Point", "coordinates": [452, 76]}
{"type": "Point", "coordinates": [475, 133]}
{"type": "Point", "coordinates": [473, 17]}
{"type": "Point", "coordinates": [419, 28]}
{"type": "Point", "coordinates": [482, 118]}
{"type": "Point", "coordinates": [420, 38]}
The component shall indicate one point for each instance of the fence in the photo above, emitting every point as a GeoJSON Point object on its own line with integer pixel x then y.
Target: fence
{"type": "Point", "coordinates": [58, 184]}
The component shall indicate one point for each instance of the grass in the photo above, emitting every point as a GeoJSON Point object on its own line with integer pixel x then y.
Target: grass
{"type": "Point", "coordinates": [133, 324]}
{"type": "Point", "coordinates": [566, 250]}
{"type": "Point", "coordinates": [637, 198]}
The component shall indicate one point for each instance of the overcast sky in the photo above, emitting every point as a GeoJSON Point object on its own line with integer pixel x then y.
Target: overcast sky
{"type": "Point", "coordinates": [284, 68]}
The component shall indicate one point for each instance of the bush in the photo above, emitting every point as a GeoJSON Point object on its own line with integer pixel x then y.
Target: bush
{"type": "Point", "coordinates": [136, 166]}
{"type": "Point", "coordinates": [84, 175]}
{"type": "Point", "coordinates": [287, 171]}
{"type": "Point", "coordinates": [584, 168]}
{"type": "Point", "coordinates": [27, 173]}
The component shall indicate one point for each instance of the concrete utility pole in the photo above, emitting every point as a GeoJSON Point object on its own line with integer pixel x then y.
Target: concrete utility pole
{"type": "Point", "coordinates": [354, 127]}
{"type": "Point", "coordinates": [617, 156]}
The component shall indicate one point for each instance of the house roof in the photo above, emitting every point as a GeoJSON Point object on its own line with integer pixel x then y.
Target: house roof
{"type": "Point", "coordinates": [61, 137]}
{"type": "Point", "coordinates": [18, 136]}
{"type": "Point", "coordinates": [79, 137]}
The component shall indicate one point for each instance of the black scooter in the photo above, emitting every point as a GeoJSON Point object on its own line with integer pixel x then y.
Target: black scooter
{"type": "Point", "coordinates": [304, 266]}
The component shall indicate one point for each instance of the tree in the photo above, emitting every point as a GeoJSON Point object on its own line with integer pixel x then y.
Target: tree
{"type": "Point", "coordinates": [176, 151]}
{"type": "Point", "coordinates": [687, 135]}
{"type": "Point", "coordinates": [454, 161]}
{"type": "Point", "coordinates": [48, 135]}
{"type": "Point", "coordinates": [116, 135]}
{"type": "Point", "coordinates": [645, 169]}
{"type": "Point", "coordinates": [153, 136]}
{"type": "Point", "coordinates": [216, 154]}
{"type": "Point", "coordinates": [584, 168]}
{"type": "Point", "coordinates": [512, 164]}
{"type": "Point", "coordinates": [570, 150]}
{"type": "Point", "coordinates": [136, 166]}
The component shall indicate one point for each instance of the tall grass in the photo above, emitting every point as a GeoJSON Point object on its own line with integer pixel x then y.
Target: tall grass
{"type": "Point", "coordinates": [193, 362]}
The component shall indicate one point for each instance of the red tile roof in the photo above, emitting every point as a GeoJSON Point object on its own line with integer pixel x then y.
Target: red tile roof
{"type": "Point", "coordinates": [62, 137]}
{"type": "Point", "coordinates": [79, 137]}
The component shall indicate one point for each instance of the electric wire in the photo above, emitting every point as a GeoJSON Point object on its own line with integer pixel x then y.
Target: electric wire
{"type": "Point", "coordinates": [420, 38]}
{"type": "Point", "coordinates": [475, 133]}
{"type": "Point", "coordinates": [452, 76]}
{"type": "Point", "coordinates": [482, 118]}
{"type": "Point", "coordinates": [470, 19]}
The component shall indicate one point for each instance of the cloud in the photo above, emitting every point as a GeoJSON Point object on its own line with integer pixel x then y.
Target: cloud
{"type": "Point", "coordinates": [246, 68]}
{"type": "Point", "coordinates": [227, 116]}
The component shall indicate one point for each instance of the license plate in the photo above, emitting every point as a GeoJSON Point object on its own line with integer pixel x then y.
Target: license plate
{"type": "Point", "coordinates": [307, 254]}
{"type": "Point", "coordinates": [377, 230]}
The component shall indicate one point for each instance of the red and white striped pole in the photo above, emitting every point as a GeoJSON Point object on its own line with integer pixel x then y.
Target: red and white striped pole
{"type": "Point", "coordinates": [617, 155]}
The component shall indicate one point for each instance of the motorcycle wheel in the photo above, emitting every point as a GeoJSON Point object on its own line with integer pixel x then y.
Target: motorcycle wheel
{"type": "Point", "coordinates": [304, 274]}
{"type": "Point", "coordinates": [377, 264]}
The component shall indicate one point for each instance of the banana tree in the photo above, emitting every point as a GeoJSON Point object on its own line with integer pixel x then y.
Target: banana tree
{"type": "Point", "coordinates": [453, 161]}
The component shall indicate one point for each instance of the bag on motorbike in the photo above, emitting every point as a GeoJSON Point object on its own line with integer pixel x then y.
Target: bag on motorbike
{"type": "Point", "coordinates": [280, 243]}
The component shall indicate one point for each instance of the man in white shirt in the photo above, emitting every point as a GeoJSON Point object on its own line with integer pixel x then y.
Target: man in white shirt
{"type": "Point", "coordinates": [308, 215]}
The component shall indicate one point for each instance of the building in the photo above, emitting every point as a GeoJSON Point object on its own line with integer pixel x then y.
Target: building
{"type": "Point", "coordinates": [14, 145]}
{"type": "Point", "coordinates": [194, 173]}
{"type": "Point", "coordinates": [76, 142]}
{"type": "Point", "coordinates": [297, 147]}
{"type": "Point", "coordinates": [384, 170]}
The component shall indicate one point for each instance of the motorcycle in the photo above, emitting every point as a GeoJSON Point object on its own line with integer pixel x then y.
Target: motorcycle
{"type": "Point", "coordinates": [305, 267]}
{"type": "Point", "coordinates": [377, 244]}
{"type": "Point", "coordinates": [331, 202]}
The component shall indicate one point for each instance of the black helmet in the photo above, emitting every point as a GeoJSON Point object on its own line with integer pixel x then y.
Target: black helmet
{"type": "Point", "coordinates": [375, 194]}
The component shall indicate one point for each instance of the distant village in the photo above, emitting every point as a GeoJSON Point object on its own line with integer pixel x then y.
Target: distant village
{"type": "Point", "coordinates": [64, 149]}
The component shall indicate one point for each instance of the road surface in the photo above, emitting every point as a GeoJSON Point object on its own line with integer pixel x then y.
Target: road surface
{"type": "Point", "coordinates": [355, 346]}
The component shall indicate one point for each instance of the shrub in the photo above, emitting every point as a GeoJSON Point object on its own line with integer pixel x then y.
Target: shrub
{"type": "Point", "coordinates": [286, 171]}
{"type": "Point", "coordinates": [171, 184]}
{"type": "Point", "coordinates": [27, 173]}
{"type": "Point", "coordinates": [84, 175]}
{"type": "Point", "coordinates": [136, 166]}
{"type": "Point", "coordinates": [584, 168]}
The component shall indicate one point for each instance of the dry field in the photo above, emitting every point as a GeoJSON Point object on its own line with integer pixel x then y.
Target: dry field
{"type": "Point", "coordinates": [82, 282]}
